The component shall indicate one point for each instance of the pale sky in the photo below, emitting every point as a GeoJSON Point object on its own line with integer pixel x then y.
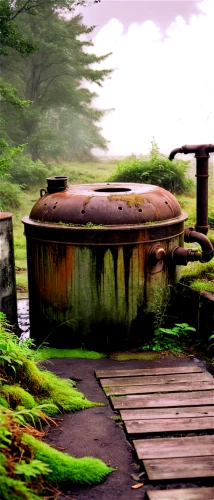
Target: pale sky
{"type": "Point", "coordinates": [163, 79]}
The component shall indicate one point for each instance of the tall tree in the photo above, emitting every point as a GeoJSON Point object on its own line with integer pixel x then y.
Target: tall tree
{"type": "Point", "coordinates": [52, 78]}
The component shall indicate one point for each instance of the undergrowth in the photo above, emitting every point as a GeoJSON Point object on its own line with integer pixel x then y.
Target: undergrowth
{"type": "Point", "coordinates": [171, 339]}
{"type": "Point", "coordinates": [29, 397]}
{"type": "Point", "coordinates": [156, 169]}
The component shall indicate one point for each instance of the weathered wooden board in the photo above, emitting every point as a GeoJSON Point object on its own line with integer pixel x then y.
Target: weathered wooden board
{"type": "Point", "coordinates": [177, 468]}
{"type": "Point", "coordinates": [156, 379]}
{"type": "Point", "coordinates": [182, 494]}
{"type": "Point", "coordinates": [145, 389]}
{"type": "Point", "coordinates": [169, 425]}
{"type": "Point", "coordinates": [194, 398]}
{"type": "Point", "coordinates": [161, 413]}
{"type": "Point", "coordinates": [194, 446]}
{"type": "Point", "coordinates": [188, 368]}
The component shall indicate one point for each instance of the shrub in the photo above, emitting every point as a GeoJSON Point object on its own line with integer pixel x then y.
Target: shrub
{"type": "Point", "coordinates": [155, 169]}
{"type": "Point", "coordinates": [10, 195]}
{"type": "Point", "coordinates": [26, 172]}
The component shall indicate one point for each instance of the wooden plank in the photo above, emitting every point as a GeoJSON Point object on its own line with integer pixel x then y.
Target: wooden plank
{"type": "Point", "coordinates": [195, 398]}
{"type": "Point", "coordinates": [179, 412]}
{"type": "Point", "coordinates": [182, 494]}
{"type": "Point", "coordinates": [194, 446]}
{"type": "Point", "coordinates": [169, 425]}
{"type": "Point", "coordinates": [177, 468]}
{"type": "Point", "coordinates": [156, 379]}
{"type": "Point", "coordinates": [189, 368]}
{"type": "Point", "coordinates": [145, 389]}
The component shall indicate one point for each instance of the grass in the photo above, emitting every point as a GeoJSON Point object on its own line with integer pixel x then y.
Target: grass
{"type": "Point", "coordinates": [50, 353]}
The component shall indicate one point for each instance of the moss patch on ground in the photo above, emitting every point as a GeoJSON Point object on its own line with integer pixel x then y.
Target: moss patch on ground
{"type": "Point", "coordinates": [50, 353]}
{"type": "Point", "coordinates": [65, 468]}
{"type": "Point", "coordinates": [30, 395]}
{"type": "Point", "coordinates": [125, 356]}
{"type": "Point", "coordinates": [202, 286]}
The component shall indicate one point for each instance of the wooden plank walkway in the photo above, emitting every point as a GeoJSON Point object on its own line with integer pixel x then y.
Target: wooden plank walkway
{"type": "Point", "coordinates": [194, 446]}
{"type": "Point", "coordinates": [191, 368]}
{"type": "Point", "coordinates": [166, 400]}
{"type": "Point", "coordinates": [194, 398]}
{"type": "Point", "coordinates": [182, 494]}
{"type": "Point", "coordinates": [146, 389]}
{"type": "Point", "coordinates": [179, 468]}
{"type": "Point", "coordinates": [169, 425]}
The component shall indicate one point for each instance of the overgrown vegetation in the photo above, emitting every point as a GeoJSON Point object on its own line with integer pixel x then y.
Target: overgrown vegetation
{"type": "Point", "coordinates": [29, 396]}
{"type": "Point", "coordinates": [155, 169]}
{"type": "Point", "coordinates": [199, 277]}
{"type": "Point", "coordinates": [171, 339]}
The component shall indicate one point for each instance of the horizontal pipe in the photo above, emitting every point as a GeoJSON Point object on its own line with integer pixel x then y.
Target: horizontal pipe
{"type": "Point", "coordinates": [181, 256]}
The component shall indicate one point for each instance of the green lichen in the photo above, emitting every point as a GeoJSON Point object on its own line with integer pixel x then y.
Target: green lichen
{"type": "Point", "coordinates": [16, 395]}
{"type": "Point", "coordinates": [130, 199]}
{"type": "Point", "coordinates": [65, 468]}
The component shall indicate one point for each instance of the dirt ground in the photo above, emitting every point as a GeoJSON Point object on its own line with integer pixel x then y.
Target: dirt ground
{"type": "Point", "coordinates": [93, 432]}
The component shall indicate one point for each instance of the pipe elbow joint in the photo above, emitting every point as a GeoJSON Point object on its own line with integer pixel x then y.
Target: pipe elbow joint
{"type": "Point", "coordinates": [181, 256]}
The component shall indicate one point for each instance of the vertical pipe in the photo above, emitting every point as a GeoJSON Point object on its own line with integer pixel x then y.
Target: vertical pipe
{"type": "Point", "coordinates": [8, 302]}
{"type": "Point", "coordinates": [202, 194]}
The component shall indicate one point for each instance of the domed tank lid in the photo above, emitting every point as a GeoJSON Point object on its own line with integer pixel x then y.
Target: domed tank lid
{"type": "Point", "coordinates": [104, 204]}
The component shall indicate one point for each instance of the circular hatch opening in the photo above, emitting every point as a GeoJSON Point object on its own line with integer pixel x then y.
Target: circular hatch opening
{"type": "Point", "coordinates": [112, 190]}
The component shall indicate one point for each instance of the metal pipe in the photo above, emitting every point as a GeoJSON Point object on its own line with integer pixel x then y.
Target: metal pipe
{"type": "Point", "coordinates": [206, 245]}
{"type": "Point", "coordinates": [174, 152]}
{"type": "Point", "coordinates": [181, 256]}
{"type": "Point", "coordinates": [202, 159]}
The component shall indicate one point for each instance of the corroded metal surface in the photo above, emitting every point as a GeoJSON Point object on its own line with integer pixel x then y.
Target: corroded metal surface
{"type": "Point", "coordinates": [100, 263]}
{"type": "Point", "coordinates": [202, 174]}
{"type": "Point", "coordinates": [107, 204]}
{"type": "Point", "coordinates": [7, 269]}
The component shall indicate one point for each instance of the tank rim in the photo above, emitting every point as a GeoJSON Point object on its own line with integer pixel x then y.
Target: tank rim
{"type": "Point", "coordinates": [101, 227]}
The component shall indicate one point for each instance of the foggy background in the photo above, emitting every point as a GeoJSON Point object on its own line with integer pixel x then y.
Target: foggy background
{"type": "Point", "coordinates": [162, 84]}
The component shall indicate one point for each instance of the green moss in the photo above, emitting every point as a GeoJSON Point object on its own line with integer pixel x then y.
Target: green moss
{"type": "Point", "coordinates": [62, 393]}
{"type": "Point", "coordinates": [49, 353]}
{"type": "Point", "coordinates": [196, 270]}
{"type": "Point", "coordinates": [65, 468]}
{"type": "Point", "coordinates": [116, 418]}
{"type": "Point", "coordinates": [16, 395]}
{"type": "Point", "coordinates": [125, 356]}
{"type": "Point", "coordinates": [202, 286]}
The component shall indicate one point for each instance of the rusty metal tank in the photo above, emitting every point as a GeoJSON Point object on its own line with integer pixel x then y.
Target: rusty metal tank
{"type": "Point", "coordinates": [100, 262]}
